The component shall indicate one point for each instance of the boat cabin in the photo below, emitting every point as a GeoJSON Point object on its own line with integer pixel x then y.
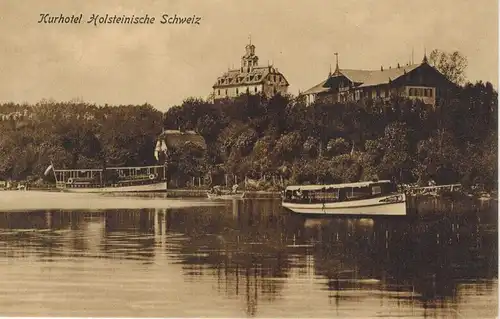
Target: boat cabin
{"type": "Point", "coordinates": [314, 194]}
{"type": "Point", "coordinates": [111, 176]}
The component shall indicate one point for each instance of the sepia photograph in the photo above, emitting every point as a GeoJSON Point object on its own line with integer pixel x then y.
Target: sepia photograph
{"type": "Point", "coordinates": [249, 159]}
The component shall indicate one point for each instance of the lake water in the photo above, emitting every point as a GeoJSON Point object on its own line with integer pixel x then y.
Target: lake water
{"type": "Point", "coordinates": [247, 258]}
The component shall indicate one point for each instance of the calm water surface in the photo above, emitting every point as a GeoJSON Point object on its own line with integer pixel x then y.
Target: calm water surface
{"type": "Point", "coordinates": [247, 258]}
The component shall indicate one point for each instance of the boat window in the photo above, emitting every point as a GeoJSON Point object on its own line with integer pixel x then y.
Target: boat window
{"type": "Point", "coordinates": [358, 192]}
{"type": "Point", "coordinates": [331, 194]}
{"type": "Point", "coordinates": [376, 190]}
{"type": "Point", "coordinates": [386, 188]}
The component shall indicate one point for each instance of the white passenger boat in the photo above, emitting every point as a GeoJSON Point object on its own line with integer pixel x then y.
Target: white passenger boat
{"type": "Point", "coordinates": [362, 198]}
{"type": "Point", "coordinates": [111, 179]}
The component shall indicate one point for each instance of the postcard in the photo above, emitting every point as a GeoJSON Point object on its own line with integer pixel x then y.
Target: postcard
{"type": "Point", "coordinates": [231, 159]}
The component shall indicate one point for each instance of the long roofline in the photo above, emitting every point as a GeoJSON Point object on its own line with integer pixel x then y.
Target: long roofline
{"type": "Point", "coordinates": [320, 186]}
{"type": "Point", "coordinates": [319, 88]}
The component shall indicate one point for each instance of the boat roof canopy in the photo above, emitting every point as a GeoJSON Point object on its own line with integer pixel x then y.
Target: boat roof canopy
{"type": "Point", "coordinates": [107, 168]}
{"type": "Point", "coordinates": [318, 187]}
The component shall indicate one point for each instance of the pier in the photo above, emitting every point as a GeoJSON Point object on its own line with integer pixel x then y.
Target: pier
{"type": "Point", "coordinates": [436, 189]}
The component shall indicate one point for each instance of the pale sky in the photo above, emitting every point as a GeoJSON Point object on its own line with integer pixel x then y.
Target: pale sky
{"type": "Point", "coordinates": [163, 64]}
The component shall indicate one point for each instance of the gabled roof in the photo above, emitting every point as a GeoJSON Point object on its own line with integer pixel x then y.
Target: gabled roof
{"type": "Point", "coordinates": [377, 77]}
{"type": "Point", "coordinates": [365, 78]}
{"type": "Point", "coordinates": [318, 88]}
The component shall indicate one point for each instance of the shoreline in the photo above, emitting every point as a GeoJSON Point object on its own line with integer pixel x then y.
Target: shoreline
{"type": "Point", "coordinates": [254, 194]}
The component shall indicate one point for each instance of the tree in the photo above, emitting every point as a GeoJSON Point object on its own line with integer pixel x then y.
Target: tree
{"type": "Point", "coordinates": [451, 65]}
{"type": "Point", "coordinates": [397, 157]}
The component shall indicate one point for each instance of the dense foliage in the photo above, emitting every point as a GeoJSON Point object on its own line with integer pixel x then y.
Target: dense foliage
{"type": "Point", "coordinates": [74, 135]}
{"type": "Point", "coordinates": [404, 140]}
{"type": "Point", "coordinates": [261, 138]}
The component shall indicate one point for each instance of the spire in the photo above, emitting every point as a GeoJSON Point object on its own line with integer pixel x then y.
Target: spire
{"type": "Point", "coordinates": [336, 63]}
{"type": "Point", "coordinates": [425, 60]}
{"type": "Point", "coordinates": [330, 72]}
{"type": "Point", "coordinates": [249, 60]}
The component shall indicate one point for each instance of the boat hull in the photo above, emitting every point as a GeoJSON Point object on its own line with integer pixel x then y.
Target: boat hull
{"type": "Point", "coordinates": [154, 187]}
{"type": "Point", "coordinates": [393, 205]}
{"type": "Point", "coordinates": [225, 196]}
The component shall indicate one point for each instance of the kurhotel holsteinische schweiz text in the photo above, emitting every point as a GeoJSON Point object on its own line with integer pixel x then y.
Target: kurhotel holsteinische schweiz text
{"type": "Point", "coordinates": [98, 19]}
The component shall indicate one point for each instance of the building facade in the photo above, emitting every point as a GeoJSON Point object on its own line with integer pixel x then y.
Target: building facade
{"type": "Point", "coordinates": [250, 78]}
{"type": "Point", "coordinates": [413, 81]}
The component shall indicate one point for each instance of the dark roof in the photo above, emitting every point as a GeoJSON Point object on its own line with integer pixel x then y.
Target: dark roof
{"type": "Point", "coordinates": [365, 78]}
{"type": "Point", "coordinates": [257, 75]}
{"type": "Point", "coordinates": [176, 138]}
{"type": "Point", "coordinates": [377, 77]}
{"type": "Point", "coordinates": [318, 88]}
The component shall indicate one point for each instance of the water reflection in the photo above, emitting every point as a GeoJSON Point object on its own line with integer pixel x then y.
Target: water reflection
{"type": "Point", "coordinates": [261, 260]}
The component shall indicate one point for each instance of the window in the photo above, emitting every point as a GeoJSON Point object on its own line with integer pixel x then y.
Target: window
{"type": "Point", "coordinates": [237, 91]}
{"type": "Point", "coordinates": [358, 192]}
{"type": "Point", "coordinates": [376, 190]}
{"type": "Point", "coordinates": [331, 195]}
{"type": "Point", "coordinates": [226, 91]}
{"type": "Point", "coordinates": [255, 89]}
{"type": "Point", "coordinates": [430, 92]}
{"type": "Point", "coordinates": [218, 92]}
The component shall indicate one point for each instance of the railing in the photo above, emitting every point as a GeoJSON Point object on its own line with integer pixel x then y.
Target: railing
{"type": "Point", "coordinates": [433, 189]}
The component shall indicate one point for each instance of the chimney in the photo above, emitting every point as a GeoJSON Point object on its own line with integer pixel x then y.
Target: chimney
{"type": "Point", "coordinates": [398, 65]}
{"type": "Point", "coordinates": [381, 68]}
